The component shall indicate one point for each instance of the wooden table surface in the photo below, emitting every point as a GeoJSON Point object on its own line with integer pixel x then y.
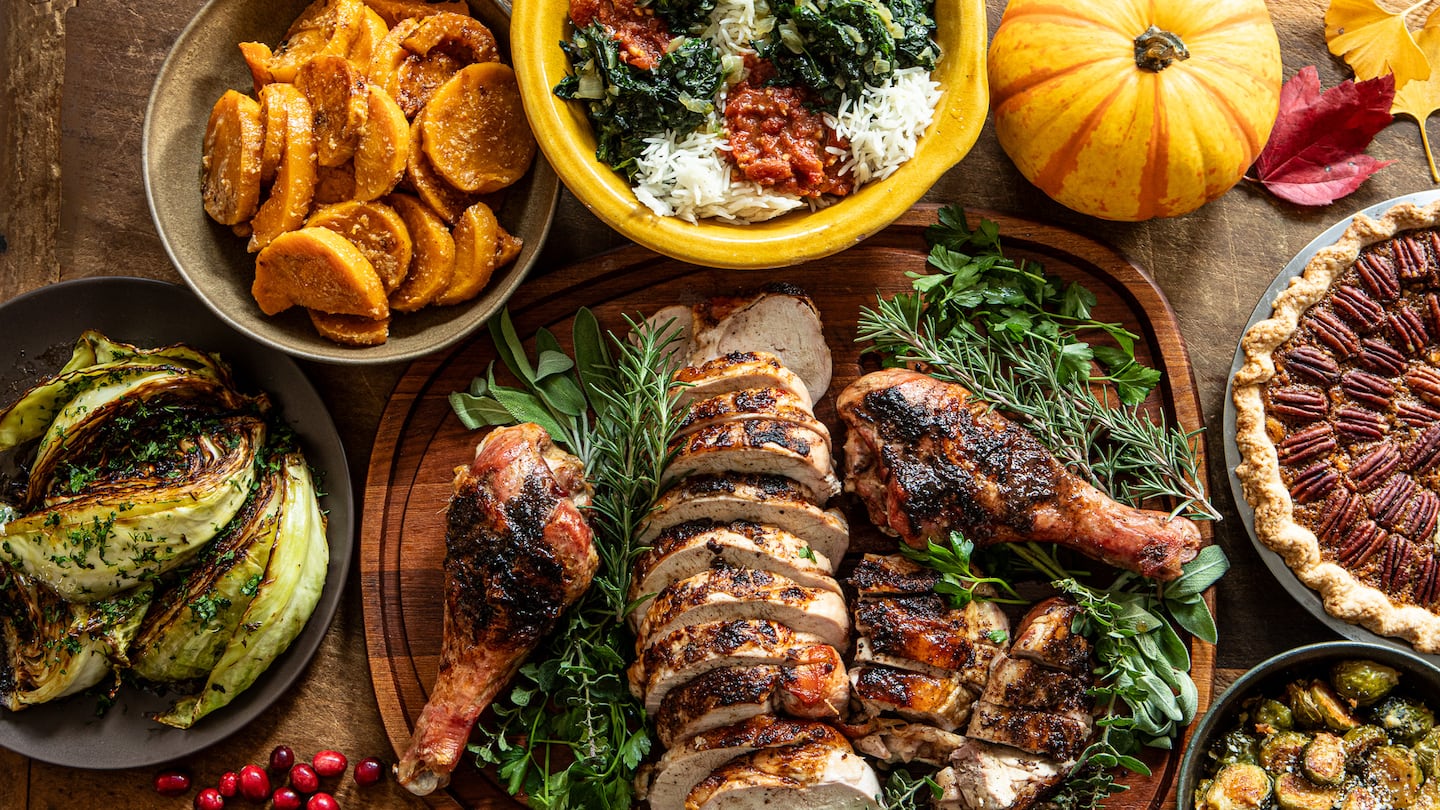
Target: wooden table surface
{"type": "Point", "coordinates": [75, 76]}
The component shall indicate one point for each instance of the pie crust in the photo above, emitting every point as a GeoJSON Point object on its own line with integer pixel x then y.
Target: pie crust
{"type": "Point", "coordinates": [1371, 498]}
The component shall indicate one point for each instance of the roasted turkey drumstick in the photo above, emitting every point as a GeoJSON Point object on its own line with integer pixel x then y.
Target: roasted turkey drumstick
{"type": "Point", "coordinates": [518, 553]}
{"type": "Point", "coordinates": [927, 458]}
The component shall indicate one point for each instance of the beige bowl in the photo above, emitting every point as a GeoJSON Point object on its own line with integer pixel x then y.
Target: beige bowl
{"type": "Point", "coordinates": [203, 64]}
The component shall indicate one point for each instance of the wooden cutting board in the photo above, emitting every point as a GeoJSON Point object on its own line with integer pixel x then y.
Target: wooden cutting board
{"type": "Point", "coordinates": [420, 442]}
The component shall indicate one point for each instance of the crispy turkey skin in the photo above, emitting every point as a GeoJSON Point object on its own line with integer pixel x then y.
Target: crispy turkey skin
{"type": "Point", "coordinates": [518, 552]}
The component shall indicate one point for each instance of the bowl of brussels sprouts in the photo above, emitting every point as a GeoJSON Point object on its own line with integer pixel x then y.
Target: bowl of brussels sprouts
{"type": "Point", "coordinates": [1343, 724]}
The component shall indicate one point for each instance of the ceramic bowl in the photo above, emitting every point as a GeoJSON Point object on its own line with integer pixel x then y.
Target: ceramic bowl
{"type": "Point", "coordinates": [566, 137]}
{"type": "Point", "coordinates": [1417, 676]}
{"type": "Point", "coordinates": [202, 65]}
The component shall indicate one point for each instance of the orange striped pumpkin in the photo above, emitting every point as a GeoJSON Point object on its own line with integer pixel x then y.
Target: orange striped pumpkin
{"type": "Point", "coordinates": [1133, 109]}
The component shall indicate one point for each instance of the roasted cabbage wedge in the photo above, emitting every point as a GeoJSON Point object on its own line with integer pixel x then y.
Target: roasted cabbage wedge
{"type": "Point", "coordinates": [285, 598]}
{"type": "Point", "coordinates": [187, 629]}
{"type": "Point", "coordinates": [50, 648]}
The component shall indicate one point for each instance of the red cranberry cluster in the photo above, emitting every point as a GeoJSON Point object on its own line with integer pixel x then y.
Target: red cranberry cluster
{"type": "Point", "coordinates": [253, 783]}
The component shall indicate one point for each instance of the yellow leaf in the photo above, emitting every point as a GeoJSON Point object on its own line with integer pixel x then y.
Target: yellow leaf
{"type": "Point", "coordinates": [1418, 99]}
{"type": "Point", "coordinates": [1374, 42]}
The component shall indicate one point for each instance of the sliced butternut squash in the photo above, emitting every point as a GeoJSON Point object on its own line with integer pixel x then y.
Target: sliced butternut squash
{"type": "Point", "coordinates": [474, 129]}
{"type": "Point", "coordinates": [377, 230]}
{"type": "Point", "coordinates": [295, 176]}
{"type": "Point", "coordinates": [459, 35]}
{"type": "Point", "coordinates": [234, 140]}
{"type": "Point", "coordinates": [273, 115]}
{"type": "Point", "coordinates": [476, 240]}
{"type": "Point", "coordinates": [351, 330]}
{"type": "Point", "coordinates": [419, 55]}
{"type": "Point", "coordinates": [337, 95]}
{"type": "Point", "coordinates": [396, 10]}
{"type": "Point", "coordinates": [507, 247]}
{"type": "Point", "coordinates": [384, 147]}
{"type": "Point", "coordinates": [433, 260]}
{"type": "Point", "coordinates": [319, 269]}
{"type": "Point", "coordinates": [446, 200]}
{"type": "Point", "coordinates": [257, 56]}
{"type": "Point", "coordinates": [324, 28]}
{"type": "Point", "coordinates": [335, 184]}
{"type": "Point", "coordinates": [372, 29]}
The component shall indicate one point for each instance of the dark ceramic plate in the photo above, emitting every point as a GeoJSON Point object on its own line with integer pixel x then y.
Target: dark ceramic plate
{"type": "Point", "coordinates": [203, 64]}
{"type": "Point", "coordinates": [1307, 598]}
{"type": "Point", "coordinates": [39, 330]}
{"type": "Point", "coordinates": [1416, 676]}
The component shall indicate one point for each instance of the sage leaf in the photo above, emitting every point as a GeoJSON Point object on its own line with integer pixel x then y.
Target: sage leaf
{"type": "Point", "coordinates": [1209, 565]}
{"type": "Point", "coordinates": [1194, 615]}
{"type": "Point", "coordinates": [477, 412]}
{"type": "Point", "coordinates": [552, 362]}
{"type": "Point", "coordinates": [509, 346]}
{"type": "Point", "coordinates": [528, 408]}
{"type": "Point", "coordinates": [592, 354]}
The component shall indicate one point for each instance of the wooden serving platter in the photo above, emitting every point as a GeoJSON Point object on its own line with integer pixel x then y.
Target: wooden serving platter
{"type": "Point", "coordinates": [420, 442]}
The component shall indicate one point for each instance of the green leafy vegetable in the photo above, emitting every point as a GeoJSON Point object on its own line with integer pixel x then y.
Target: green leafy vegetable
{"type": "Point", "coordinates": [571, 703]}
{"type": "Point", "coordinates": [682, 15]}
{"type": "Point", "coordinates": [958, 581]}
{"type": "Point", "coordinates": [836, 47]}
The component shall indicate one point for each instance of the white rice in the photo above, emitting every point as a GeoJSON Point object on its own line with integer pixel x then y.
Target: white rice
{"type": "Point", "coordinates": [687, 175]}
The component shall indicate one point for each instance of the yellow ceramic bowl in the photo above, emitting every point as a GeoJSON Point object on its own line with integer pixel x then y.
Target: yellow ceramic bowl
{"type": "Point", "coordinates": [564, 133]}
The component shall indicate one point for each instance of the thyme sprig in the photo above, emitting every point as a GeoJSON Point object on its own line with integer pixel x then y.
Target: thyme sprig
{"type": "Point", "coordinates": [1016, 337]}
{"type": "Point", "coordinates": [569, 733]}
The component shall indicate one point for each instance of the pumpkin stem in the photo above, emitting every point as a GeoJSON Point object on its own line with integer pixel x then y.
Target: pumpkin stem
{"type": "Point", "coordinates": [1155, 49]}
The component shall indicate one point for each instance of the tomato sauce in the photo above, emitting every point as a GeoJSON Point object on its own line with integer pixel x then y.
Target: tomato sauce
{"type": "Point", "coordinates": [778, 141]}
{"type": "Point", "coordinates": [643, 36]}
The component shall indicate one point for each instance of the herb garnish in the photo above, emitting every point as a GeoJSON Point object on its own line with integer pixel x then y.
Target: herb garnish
{"type": "Point", "coordinates": [1014, 336]}
{"type": "Point", "coordinates": [569, 733]}
{"type": "Point", "coordinates": [958, 582]}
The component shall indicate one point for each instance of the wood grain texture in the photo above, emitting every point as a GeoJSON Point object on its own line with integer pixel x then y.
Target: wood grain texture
{"type": "Point", "coordinates": [420, 442]}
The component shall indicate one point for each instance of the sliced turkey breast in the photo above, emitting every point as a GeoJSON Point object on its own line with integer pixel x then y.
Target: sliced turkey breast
{"type": "Point", "coordinates": [993, 777]}
{"type": "Point", "coordinates": [898, 742]}
{"type": "Point", "coordinates": [781, 320]}
{"type": "Point", "coordinates": [1046, 636]}
{"type": "Point", "coordinates": [737, 371]}
{"type": "Point", "coordinates": [692, 650]}
{"type": "Point", "coordinates": [686, 550]}
{"type": "Point", "coordinates": [941, 702]}
{"type": "Point", "coordinates": [770, 403]}
{"type": "Point", "coordinates": [722, 697]}
{"type": "Point", "coordinates": [892, 575]}
{"type": "Point", "coordinates": [692, 759]}
{"type": "Point", "coordinates": [766, 499]}
{"type": "Point", "coordinates": [1027, 685]}
{"type": "Point", "coordinates": [757, 446]}
{"type": "Point", "coordinates": [808, 776]}
{"type": "Point", "coordinates": [745, 593]}
{"type": "Point", "coordinates": [1060, 736]}
{"type": "Point", "coordinates": [922, 633]}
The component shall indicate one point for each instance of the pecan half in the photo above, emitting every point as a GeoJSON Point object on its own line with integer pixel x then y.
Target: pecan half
{"type": "Point", "coordinates": [1410, 263]}
{"type": "Point", "coordinates": [1334, 333]}
{"type": "Point", "coordinates": [1312, 362]}
{"type": "Point", "coordinates": [1357, 306]}
{"type": "Point", "coordinates": [1423, 513]}
{"type": "Point", "coordinates": [1374, 467]}
{"type": "Point", "coordinates": [1370, 389]}
{"type": "Point", "coordinates": [1427, 582]}
{"type": "Point", "coordinates": [1424, 383]}
{"type": "Point", "coordinates": [1390, 504]}
{"type": "Point", "coordinates": [1378, 275]}
{"type": "Point", "coordinates": [1380, 357]}
{"type": "Point", "coordinates": [1395, 569]}
{"type": "Point", "coordinates": [1415, 414]}
{"type": "Point", "coordinates": [1408, 328]}
{"type": "Point", "coordinates": [1302, 446]}
{"type": "Point", "coordinates": [1424, 452]}
{"type": "Point", "coordinates": [1299, 402]}
{"type": "Point", "coordinates": [1363, 540]}
{"type": "Point", "coordinates": [1313, 482]}
{"type": "Point", "coordinates": [1338, 513]}
{"type": "Point", "coordinates": [1354, 424]}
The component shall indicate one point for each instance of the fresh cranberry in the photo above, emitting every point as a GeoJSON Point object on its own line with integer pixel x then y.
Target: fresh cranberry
{"type": "Point", "coordinates": [287, 799]}
{"type": "Point", "coordinates": [304, 779]}
{"type": "Point", "coordinates": [330, 763]}
{"type": "Point", "coordinates": [322, 801]}
{"type": "Point", "coordinates": [254, 783]}
{"type": "Point", "coordinates": [369, 771]}
{"type": "Point", "coordinates": [172, 783]}
{"type": "Point", "coordinates": [209, 799]}
{"type": "Point", "coordinates": [229, 784]}
{"type": "Point", "coordinates": [281, 758]}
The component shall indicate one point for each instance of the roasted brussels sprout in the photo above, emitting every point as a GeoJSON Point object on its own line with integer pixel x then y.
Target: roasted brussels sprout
{"type": "Point", "coordinates": [1323, 760]}
{"type": "Point", "coordinates": [1395, 773]}
{"type": "Point", "coordinates": [1235, 746]}
{"type": "Point", "coordinates": [1315, 705]}
{"type": "Point", "coordinates": [1237, 786]}
{"type": "Point", "coordinates": [1295, 792]}
{"type": "Point", "coordinates": [1407, 721]}
{"type": "Point", "coordinates": [1361, 740]}
{"type": "Point", "coordinates": [1281, 751]}
{"type": "Point", "coordinates": [1274, 715]}
{"type": "Point", "coordinates": [1427, 799]}
{"type": "Point", "coordinates": [1427, 751]}
{"type": "Point", "coordinates": [1363, 682]}
{"type": "Point", "coordinates": [1361, 798]}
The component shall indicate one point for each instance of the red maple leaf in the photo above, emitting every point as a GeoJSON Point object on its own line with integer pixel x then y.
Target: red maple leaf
{"type": "Point", "coordinates": [1316, 153]}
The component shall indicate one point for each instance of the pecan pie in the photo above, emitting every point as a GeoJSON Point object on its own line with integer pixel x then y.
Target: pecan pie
{"type": "Point", "coordinates": [1338, 421]}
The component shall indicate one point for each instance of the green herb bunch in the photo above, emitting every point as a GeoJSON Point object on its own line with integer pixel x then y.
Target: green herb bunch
{"type": "Point", "coordinates": [569, 734]}
{"type": "Point", "coordinates": [1017, 337]}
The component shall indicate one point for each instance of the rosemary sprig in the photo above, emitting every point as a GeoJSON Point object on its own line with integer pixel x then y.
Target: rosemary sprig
{"type": "Point", "coordinates": [569, 733]}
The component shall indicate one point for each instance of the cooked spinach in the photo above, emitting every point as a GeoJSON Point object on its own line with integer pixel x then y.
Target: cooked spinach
{"type": "Point", "coordinates": [832, 45]}
{"type": "Point", "coordinates": [683, 15]}
{"type": "Point", "coordinates": [627, 104]}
